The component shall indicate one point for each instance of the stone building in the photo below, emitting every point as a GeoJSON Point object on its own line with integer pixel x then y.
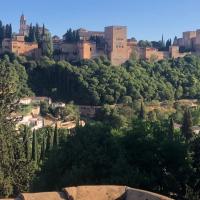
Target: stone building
{"type": "Point", "coordinates": [77, 51]}
{"type": "Point", "coordinates": [190, 41]}
{"type": "Point", "coordinates": [175, 53]}
{"type": "Point", "coordinates": [87, 50]}
{"type": "Point", "coordinates": [18, 46]}
{"type": "Point", "coordinates": [86, 35]}
{"type": "Point", "coordinates": [24, 27]}
{"type": "Point", "coordinates": [118, 48]}
{"type": "Point", "coordinates": [152, 53]}
{"type": "Point", "coordinates": [116, 44]}
{"type": "Point", "coordinates": [132, 48]}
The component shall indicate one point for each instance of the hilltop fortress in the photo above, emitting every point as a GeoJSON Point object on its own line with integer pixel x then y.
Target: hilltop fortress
{"type": "Point", "coordinates": [112, 43]}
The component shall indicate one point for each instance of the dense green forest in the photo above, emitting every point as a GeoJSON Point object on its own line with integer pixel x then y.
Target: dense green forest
{"type": "Point", "coordinates": [122, 145]}
{"type": "Point", "coordinates": [97, 82]}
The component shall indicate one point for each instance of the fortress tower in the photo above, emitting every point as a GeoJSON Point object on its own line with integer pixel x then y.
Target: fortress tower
{"type": "Point", "coordinates": [116, 41]}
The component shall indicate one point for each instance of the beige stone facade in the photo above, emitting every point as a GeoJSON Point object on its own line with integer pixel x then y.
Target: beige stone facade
{"type": "Point", "coordinates": [86, 35]}
{"type": "Point", "coordinates": [116, 44]}
{"type": "Point", "coordinates": [152, 53]}
{"type": "Point", "coordinates": [80, 50]}
{"type": "Point", "coordinates": [18, 46]}
{"type": "Point", "coordinates": [86, 50]}
{"type": "Point", "coordinates": [174, 52]}
{"type": "Point", "coordinates": [190, 41]}
{"type": "Point", "coordinates": [119, 49]}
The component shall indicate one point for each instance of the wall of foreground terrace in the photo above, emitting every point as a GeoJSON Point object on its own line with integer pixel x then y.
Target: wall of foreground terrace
{"type": "Point", "coordinates": [103, 192]}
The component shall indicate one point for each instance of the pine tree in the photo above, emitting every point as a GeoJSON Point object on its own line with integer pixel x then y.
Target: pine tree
{"type": "Point", "coordinates": [55, 137]}
{"type": "Point", "coordinates": [34, 147]}
{"type": "Point", "coordinates": [187, 125]}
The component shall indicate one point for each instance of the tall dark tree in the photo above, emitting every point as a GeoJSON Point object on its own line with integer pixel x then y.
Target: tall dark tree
{"type": "Point", "coordinates": [10, 31]}
{"type": "Point", "coordinates": [187, 125]}
{"type": "Point", "coordinates": [55, 137]}
{"type": "Point", "coordinates": [34, 35]}
{"type": "Point", "coordinates": [15, 171]}
{"type": "Point", "coordinates": [37, 33]}
{"type": "Point", "coordinates": [168, 44]}
{"type": "Point", "coordinates": [34, 147]}
{"type": "Point", "coordinates": [142, 113]}
{"type": "Point", "coordinates": [26, 141]}
{"type": "Point", "coordinates": [47, 45]}
{"type": "Point", "coordinates": [171, 129]}
{"type": "Point", "coordinates": [1, 33]}
{"type": "Point", "coordinates": [49, 141]}
{"type": "Point", "coordinates": [43, 148]}
{"type": "Point", "coordinates": [43, 30]}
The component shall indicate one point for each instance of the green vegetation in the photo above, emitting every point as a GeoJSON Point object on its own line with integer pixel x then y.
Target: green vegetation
{"type": "Point", "coordinates": [160, 45]}
{"type": "Point", "coordinates": [97, 82]}
{"type": "Point", "coordinates": [142, 156]}
{"type": "Point", "coordinates": [130, 142]}
{"type": "Point", "coordinates": [43, 37]}
{"type": "Point", "coordinates": [71, 36]}
{"type": "Point", "coordinates": [5, 31]}
{"type": "Point", "coordinates": [16, 171]}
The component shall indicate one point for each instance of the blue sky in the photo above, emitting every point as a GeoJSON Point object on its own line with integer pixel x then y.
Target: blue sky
{"type": "Point", "coordinates": [145, 19]}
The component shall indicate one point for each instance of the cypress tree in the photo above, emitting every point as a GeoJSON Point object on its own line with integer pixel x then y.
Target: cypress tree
{"type": "Point", "coordinates": [55, 137]}
{"type": "Point", "coordinates": [26, 143]}
{"type": "Point", "coordinates": [77, 36]}
{"type": "Point", "coordinates": [33, 35]}
{"type": "Point", "coordinates": [43, 30]}
{"type": "Point", "coordinates": [34, 147]}
{"type": "Point", "coordinates": [10, 31]}
{"type": "Point", "coordinates": [187, 125]}
{"type": "Point", "coordinates": [7, 31]}
{"type": "Point", "coordinates": [1, 33]}
{"type": "Point", "coordinates": [49, 143]}
{"type": "Point", "coordinates": [43, 149]}
{"type": "Point", "coordinates": [37, 33]}
{"type": "Point", "coordinates": [171, 129]}
{"type": "Point", "coordinates": [142, 113]}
